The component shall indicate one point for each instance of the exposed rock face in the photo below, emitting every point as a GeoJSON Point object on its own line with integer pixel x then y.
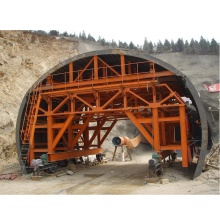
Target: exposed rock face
{"type": "Point", "coordinates": [24, 57]}
{"type": "Point", "coordinates": [7, 127]}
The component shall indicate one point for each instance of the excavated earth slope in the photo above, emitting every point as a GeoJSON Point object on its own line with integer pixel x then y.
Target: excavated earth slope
{"type": "Point", "coordinates": [24, 57]}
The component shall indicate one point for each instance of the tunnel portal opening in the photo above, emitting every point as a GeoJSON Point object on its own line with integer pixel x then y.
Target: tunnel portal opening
{"type": "Point", "coordinates": [71, 109]}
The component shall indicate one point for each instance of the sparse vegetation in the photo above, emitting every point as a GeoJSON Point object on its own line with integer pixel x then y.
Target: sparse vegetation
{"type": "Point", "coordinates": [201, 47]}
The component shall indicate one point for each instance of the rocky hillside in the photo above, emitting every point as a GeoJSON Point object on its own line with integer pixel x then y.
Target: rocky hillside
{"type": "Point", "coordinates": [24, 57]}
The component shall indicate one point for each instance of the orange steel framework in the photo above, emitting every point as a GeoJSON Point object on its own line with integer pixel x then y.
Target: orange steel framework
{"type": "Point", "coordinates": [70, 114]}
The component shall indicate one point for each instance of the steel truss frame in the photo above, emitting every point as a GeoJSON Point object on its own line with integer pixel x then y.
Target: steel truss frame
{"type": "Point", "coordinates": [70, 114]}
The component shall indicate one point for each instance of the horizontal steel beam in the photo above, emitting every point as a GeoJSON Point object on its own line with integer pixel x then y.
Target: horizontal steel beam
{"type": "Point", "coordinates": [73, 154]}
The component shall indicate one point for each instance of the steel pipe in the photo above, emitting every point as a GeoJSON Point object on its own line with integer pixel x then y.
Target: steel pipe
{"type": "Point", "coordinates": [125, 141]}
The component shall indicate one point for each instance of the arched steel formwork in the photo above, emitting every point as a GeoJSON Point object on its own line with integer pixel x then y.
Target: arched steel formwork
{"type": "Point", "coordinates": [71, 109]}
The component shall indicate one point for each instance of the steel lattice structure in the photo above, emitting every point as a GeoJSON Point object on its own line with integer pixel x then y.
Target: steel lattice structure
{"type": "Point", "coordinates": [71, 109]}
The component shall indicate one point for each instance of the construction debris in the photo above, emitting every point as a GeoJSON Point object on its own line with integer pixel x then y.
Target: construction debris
{"type": "Point", "coordinates": [69, 172]}
{"type": "Point", "coordinates": [36, 178]}
{"type": "Point", "coordinates": [212, 159]}
{"type": "Point", "coordinates": [152, 180]}
{"type": "Point", "coordinates": [9, 176]}
{"type": "Point", "coordinates": [212, 165]}
{"type": "Point", "coordinates": [164, 181]}
{"type": "Point", "coordinates": [73, 168]}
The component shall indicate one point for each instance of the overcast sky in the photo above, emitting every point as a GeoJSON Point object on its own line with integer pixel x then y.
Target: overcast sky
{"type": "Point", "coordinates": [123, 20]}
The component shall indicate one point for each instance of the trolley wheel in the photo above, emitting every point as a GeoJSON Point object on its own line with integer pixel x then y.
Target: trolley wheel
{"type": "Point", "coordinates": [99, 157]}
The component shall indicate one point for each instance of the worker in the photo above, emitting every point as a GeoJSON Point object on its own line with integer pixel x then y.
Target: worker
{"type": "Point", "coordinates": [37, 163]}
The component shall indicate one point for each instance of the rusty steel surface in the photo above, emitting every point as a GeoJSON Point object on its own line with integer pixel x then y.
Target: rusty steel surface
{"type": "Point", "coordinates": [72, 108]}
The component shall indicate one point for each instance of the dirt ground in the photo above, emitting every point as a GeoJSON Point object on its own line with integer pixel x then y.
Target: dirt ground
{"type": "Point", "coordinates": [112, 178]}
{"type": "Point", "coordinates": [112, 190]}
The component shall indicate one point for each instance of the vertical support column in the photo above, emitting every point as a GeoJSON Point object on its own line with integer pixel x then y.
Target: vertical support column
{"type": "Point", "coordinates": [72, 105]}
{"type": "Point", "coordinates": [163, 130]}
{"type": "Point", "coordinates": [86, 135]}
{"type": "Point", "coordinates": [156, 130]}
{"type": "Point", "coordinates": [183, 136]}
{"type": "Point", "coordinates": [32, 142]}
{"type": "Point", "coordinates": [162, 125]}
{"type": "Point", "coordinates": [99, 135]}
{"type": "Point", "coordinates": [70, 131]}
{"type": "Point", "coordinates": [125, 100]}
{"type": "Point", "coordinates": [96, 76]}
{"type": "Point", "coordinates": [71, 72]}
{"type": "Point", "coordinates": [49, 127]}
{"type": "Point", "coordinates": [122, 64]}
{"type": "Point", "coordinates": [97, 99]}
